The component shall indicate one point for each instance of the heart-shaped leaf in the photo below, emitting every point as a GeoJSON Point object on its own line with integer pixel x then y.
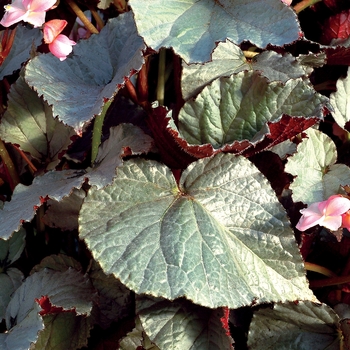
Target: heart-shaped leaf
{"type": "Point", "coordinates": [77, 87]}
{"type": "Point", "coordinates": [207, 239]}
{"type": "Point", "coordinates": [317, 175]}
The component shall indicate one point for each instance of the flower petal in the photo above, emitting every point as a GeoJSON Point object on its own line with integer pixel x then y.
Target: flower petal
{"type": "Point", "coordinates": [337, 205]}
{"type": "Point", "coordinates": [332, 222]}
{"type": "Point", "coordinates": [61, 47]}
{"type": "Point", "coordinates": [40, 5]}
{"type": "Point", "coordinates": [52, 29]}
{"type": "Point", "coordinates": [306, 222]}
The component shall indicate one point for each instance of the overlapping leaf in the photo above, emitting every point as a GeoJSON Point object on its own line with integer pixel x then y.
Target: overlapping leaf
{"type": "Point", "coordinates": [69, 290]}
{"type": "Point", "coordinates": [77, 87]}
{"type": "Point", "coordinates": [193, 27]}
{"type": "Point", "coordinates": [182, 325]}
{"type": "Point", "coordinates": [207, 240]}
{"type": "Point", "coordinates": [60, 184]}
{"type": "Point", "coordinates": [25, 40]}
{"type": "Point", "coordinates": [317, 175]}
{"type": "Point", "coordinates": [28, 122]}
{"type": "Point", "coordinates": [239, 107]}
{"type": "Point", "coordinates": [340, 101]}
{"type": "Point", "coordinates": [228, 59]}
{"type": "Point", "coordinates": [303, 325]}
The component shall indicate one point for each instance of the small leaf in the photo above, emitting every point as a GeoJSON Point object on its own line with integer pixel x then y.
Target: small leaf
{"type": "Point", "coordinates": [182, 325]}
{"type": "Point", "coordinates": [64, 214]}
{"type": "Point", "coordinates": [12, 249]}
{"type": "Point", "coordinates": [207, 240]}
{"type": "Point", "coordinates": [9, 282]}
{"type": "Point", "coordinates": [77, 87]}
{"type": "Point", "coordinates": [340, 101]}
{"type": "Point", "coordinates": [123, 138]}
{"type": "Point", "coordinates": [239, 107]}
{"type": "Point", "coordinates": [20, 51]}
{"type": "Point", "coordinates": [297, 326]}
{"type": "Point", "coordinates": [136, 339]}
{"type": "Point", "coordinates": [28, 122]}
{"type": "Point", "coordinates": [317, 175]}
{"type": "Point", "coordinates": [58, 262]}
{"type": "Point", "coordinates": [193, 27]}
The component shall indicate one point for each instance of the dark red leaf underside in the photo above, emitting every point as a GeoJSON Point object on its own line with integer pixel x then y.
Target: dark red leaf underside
{"type": "Point", "coordinates": [336, 27]}
{"type": "Point", "coordinates": [177, 153]}
{"type": "Point", "coordinates": [48, 308]}
{"type": "Point", "coordinates": [338, 56]}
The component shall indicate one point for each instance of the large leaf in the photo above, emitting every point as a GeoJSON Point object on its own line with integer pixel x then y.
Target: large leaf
{"type": "Point", "coordinates": [295, 326]}
{"type": "Point", "coordinates": [77, 87]}
{"type": "Point", "coordinates": [239, 107]}
{"type": "Point", "coordinates": [193, 27]}
{"type": "Point", "coordinates": [220, 239]}
{"type": "Point", "coordinates": [317, 175]}
{"type": "Point", "coordinates": [25, 39]}
{"type": "Point", "coordinates": [182, 325]}
{"type": "Point", "coordinates": [28, 122]}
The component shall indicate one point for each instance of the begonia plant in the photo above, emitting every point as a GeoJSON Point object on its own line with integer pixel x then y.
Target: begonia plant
{"type": "Point", "coordinates": [174, 174]}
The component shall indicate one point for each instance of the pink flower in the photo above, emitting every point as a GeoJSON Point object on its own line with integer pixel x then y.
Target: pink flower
{"type": "Point", "coordinates": [328, 213]}
{"type": "Point", "coordinates": [287, 2]}
{"type": "Point", "coordinates": [59, 44]}
{"type": "Point", "coordinates": [31, 11]}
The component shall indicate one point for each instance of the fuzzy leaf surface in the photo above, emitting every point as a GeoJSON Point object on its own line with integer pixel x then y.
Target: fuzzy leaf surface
{"type": "Point", "coordinates": [57, 185]}
{"type": "Point", "coordinates": [28, 122]}
{"type": "Point", "coordinates": [317, 175]}
{"type": "Point", "coordinates": [206, 240]}
{"type": "Point", "coordinates": [239, 107]}
{"type": "Point", "coordinates": [300, 326]}
{"type": "Point", "coordinates": [228, 59]}
{"type": "Point", "coordinates": [24, 41]}
{"type": "Point", "coordinates": [70, 290]}
{"type": "Point", "coordinates": [340, 101]}
{"type": "Point", "coordinates": [76, 88]}
{"type": "Point", "coordinates": [193, 27]}
{"type": "Point", "coordinates": [182, 325]}
{"type": "Point", "coordinates": [64, 331]}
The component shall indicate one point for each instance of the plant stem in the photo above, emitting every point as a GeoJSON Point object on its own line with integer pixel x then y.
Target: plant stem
{"type": "Point", "coordinates": [319, 269]}
{"type": "Point", "coordinates": [304, 4]}
{"type": "Point", "coordinates": [88, 25]}
{"type": "Point", "coordinates": [161, 76]}
{"type": "Point", "coordinates": [13, 176]}
{"type": "Point", "coordinates": [23, 155]}
{"type": "Point", "coordinates": [142, 83]}
{"type": "Point", "coordinates": [326, 282]}
{"type": "Point", "coordinates": [97, 131]}
{"type": "Point", "coordinates": [97, 17]}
